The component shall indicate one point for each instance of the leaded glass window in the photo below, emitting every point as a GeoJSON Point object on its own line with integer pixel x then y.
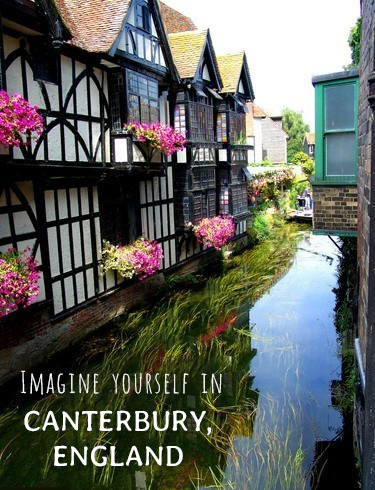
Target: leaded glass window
{"type": "Point", "coordinates": [142, 98]}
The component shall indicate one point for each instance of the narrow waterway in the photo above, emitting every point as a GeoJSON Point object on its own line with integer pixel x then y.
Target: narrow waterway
{"type": "Point", "coordinates": [298, 359]}
{"type": "Point", "coordinates": [238, 388]}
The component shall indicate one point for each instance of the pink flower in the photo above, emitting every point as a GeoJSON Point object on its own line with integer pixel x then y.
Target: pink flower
{"type": "Point", "coordinates": [142, 258]}
{"type": "Point", "coordinates": [18, 120]}
{"type": "Point", "coordinates": [215, 232]}
{"type": "Point", "coordinates": [18, 280]}
{"type": "Point", "coordinates": [158, 135]}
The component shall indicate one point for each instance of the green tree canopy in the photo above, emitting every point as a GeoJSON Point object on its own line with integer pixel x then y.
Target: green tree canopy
{"type": "Point", "coordinates": [296, 129]}
{"type": "Point", "coordinates": [308, 166]}
{"type": "Point", "coordinates": [354, 42]}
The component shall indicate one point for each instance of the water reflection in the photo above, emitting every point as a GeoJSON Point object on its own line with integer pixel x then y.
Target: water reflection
{"type": "Point", "coordinates": [297, 358]}
{"type": "Point", "coordinates": [266, 407]}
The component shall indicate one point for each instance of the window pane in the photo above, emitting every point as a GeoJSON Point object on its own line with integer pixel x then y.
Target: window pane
{"type": "Point", "coordinates": [134, 108]}
{"type": "Point", "coordinates": [341, 157]}
{"type": "Point", "coordinates": [339, 107]}
{"type": "Point", "coordinates": [142, 98]}
{"type": "Point", "coordinates": [117, 95]}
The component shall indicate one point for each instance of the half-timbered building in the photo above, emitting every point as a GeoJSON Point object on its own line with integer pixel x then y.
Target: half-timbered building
{"type": "Point", "coordinates": [210, 106]}
{"type": "Point", "coordinates": [91, 68]}
{"type": "Point", "coordinates": [194, 112]}
{"type": "Point", "coordinates": [231, 132]}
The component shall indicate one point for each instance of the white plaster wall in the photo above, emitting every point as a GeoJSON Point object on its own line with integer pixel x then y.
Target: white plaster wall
{"type": "Point", "coordinates": [94, 98]}
{"type": "Point", "coordinates": [181, 156]}
{"type": "Point", "coordinates": [71, 239]}
{"type": "Point", "coordinates": [22, 225]}
{"type": "Point", "coordinates": [67, 79]}
{"type": "Point", "coordinates": [54, 143]}
{"type": "Point", "coordinates": [121, 149]}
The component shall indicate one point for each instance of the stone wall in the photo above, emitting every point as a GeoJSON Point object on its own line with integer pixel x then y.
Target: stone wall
{"type": "Point", "coordinates": [335, 208]}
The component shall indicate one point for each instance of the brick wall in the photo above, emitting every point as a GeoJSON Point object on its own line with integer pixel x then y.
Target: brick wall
{"type": "Point", "coordinates": [28, 337]}
{"type": "Point", "coordinates": [364, 169]}
{"type": "Point", "coordinates": [335, 208]}
{"type": "Point", "coordinates": [365, 406]}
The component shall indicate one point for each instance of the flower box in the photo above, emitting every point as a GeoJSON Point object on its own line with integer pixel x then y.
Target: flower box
{"type": "Point", "coordinates": [18, 280]}
{"type": "Point", "coordinates": [140, 259]}
{"type": "Point", "coordinates": [215, 232]}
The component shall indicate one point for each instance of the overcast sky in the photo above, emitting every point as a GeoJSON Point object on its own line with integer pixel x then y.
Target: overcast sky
{"type": "Point", "coordinates": [286, 43]}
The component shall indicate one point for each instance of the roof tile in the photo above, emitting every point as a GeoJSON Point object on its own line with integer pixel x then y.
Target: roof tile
{"type": "Point", "coordinates": [230, 66]}
{"type": "Point", "coordinates": [175, 21]}
{"type": "Point", "coordinates": [187, 48]}
{"type": "Point", "coordinates": [310, 137]}
{"type": "Point", "coordinates": [93, 24]}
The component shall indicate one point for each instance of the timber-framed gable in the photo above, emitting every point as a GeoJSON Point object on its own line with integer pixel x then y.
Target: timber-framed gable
{"type": "Point", "coordinates": [231, 132]}
{"type": "Point", "coordinates": [194, 112]}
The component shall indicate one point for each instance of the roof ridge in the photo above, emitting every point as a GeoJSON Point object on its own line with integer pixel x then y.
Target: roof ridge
{"type": "Point", "coordinates": [197, 31]}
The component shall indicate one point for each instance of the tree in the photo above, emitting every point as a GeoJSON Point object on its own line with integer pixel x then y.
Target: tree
{"type": "Point", "coordinates": [308, 166]}
{"type": "Point", "coordinates": [354, 41]}
{"type": "Point", "coordinates": [296, 129]}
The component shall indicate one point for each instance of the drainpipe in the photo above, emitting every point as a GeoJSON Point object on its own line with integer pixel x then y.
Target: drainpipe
{"type": "Point", "coordinates": [369, 431]}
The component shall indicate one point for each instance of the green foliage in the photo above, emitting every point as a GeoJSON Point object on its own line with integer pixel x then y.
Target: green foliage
{"type": "Point", "coordinates": [308, 166]}
{"type": "Point", "coordinates": [354, 41]}
{"type": "Point", "coordinates": [301, 186]}
{"type": "Point", "coordinates": [292, 202]}
{"type": "Point", "coordinates": [265, 225]}
{"type": "Point", "coordinates": [294, 126]}
{"type": "Point", "coordinates": [240, 138]}
{"type": "Point", "coordinates": [264, 163]}
{"type": "Point", "coordinates": [260, 228]}
{"type": "Point", "coordinates": [186, 282]}
{"type": "Point", "coordinates": [300, 157]}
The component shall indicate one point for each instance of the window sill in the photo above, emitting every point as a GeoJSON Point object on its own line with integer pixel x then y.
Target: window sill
{"type": "Point", "coordinates": [335, 181]}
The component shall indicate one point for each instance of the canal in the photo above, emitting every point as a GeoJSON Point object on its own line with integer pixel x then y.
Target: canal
{"type": "Point", "coordinates": [232, 381]}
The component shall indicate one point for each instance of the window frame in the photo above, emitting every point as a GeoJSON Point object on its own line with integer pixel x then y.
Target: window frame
{"type": "Point", "coordinates": [321, 164]}
{"type": "Point", "coordinates": [141, 98]}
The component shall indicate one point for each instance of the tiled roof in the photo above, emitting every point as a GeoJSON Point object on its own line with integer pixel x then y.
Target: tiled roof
{"type": "Point", "coordinates": [187, 48]}
{"type": "Point", "coordinates": [174, 21]}
{"type": "Point", "coordinates": [257, 111]}
{"type": "Point", "coordinates": [249, 122]}
{"type": "Point", "coordinates": [93, 24]}
{"type": "Point", "coordinates": [230, 66]}
{"type": "Point", "coordinates": [310, 137]}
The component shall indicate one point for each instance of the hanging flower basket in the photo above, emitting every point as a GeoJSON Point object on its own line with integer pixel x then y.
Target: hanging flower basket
{"type": "Point", "coordinates": [19, 120]}
{"type": "Point", "coordinates": [155, 137]}
{"type": "Point", "coordinates": [142, 258]}
{"type": "Point", "coordinates": [215, 232]}
{"type": "Point", "coordinates": [18, 280]}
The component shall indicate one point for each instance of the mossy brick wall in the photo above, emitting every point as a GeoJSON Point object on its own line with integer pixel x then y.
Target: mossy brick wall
{"type": "Point", "coordinates": [335, 208]}
{"type": "Point", "coordinates": [30, 336]}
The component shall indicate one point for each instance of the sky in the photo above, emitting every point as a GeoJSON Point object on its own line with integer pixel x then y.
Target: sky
{"type": "Point", "coordinates": [286, 43]}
